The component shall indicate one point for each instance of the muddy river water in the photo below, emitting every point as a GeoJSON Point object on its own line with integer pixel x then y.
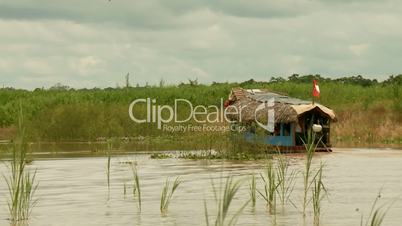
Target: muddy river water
{"type": "Point", "coordinates": [73, 190]}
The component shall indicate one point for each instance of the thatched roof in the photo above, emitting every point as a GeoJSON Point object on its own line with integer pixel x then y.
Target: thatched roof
{"type": "Point", "coordinates": [287, 109]}
{"type": "Point", "coordinates": [237, 94]}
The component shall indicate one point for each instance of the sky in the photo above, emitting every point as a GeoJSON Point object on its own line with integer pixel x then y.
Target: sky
{"type": "Point", "coordinates": [96, 43]}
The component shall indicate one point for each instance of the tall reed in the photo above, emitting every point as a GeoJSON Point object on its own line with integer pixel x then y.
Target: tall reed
{"type": "Point", "coordinates": [125, 189]}
{"type": "Point", "coordinates": [310, 147]}
{"type": "Point", "coordinates": [223, 198]}
{"type": "Point", "coordinates": [270, 186]}
{"type": "Point", "coordinates": [136, 185]}
{"type": "Point", "coordinates": [109, 149]}
{"type": "Point", "coordinates": [377, 214]}
{"type": "Point", "coordinates": [286, 179]}
{"type": "Point", "coordinates": [318, 193]}
{"type": "Point", "coordinates": [21, 183]}
{"type": "Point", "coordinates": [253, 190]}
{"type": "Point", "coordinates": [167, 193]}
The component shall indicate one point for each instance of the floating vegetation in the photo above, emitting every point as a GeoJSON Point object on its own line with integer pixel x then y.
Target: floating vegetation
{"type": "Point", "coordinates": [221, 155]}
{"type": "Point", "coordinates": [167, 193]}
{"type": "Point", "coordinates": [223, 198]}
{"type": "Point", "coordinates": [160, 156]}
{"type": "Point", "coordinates": [128, 162]}
{"type": "Point", "coordinates": [199, 155]}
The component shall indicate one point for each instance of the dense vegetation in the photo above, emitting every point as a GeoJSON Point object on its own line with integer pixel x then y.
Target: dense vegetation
{"type": "Point", "coordinates": [368, 110]}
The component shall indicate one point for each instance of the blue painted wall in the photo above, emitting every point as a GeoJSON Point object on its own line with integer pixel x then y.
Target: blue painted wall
{"type": "Point", "coordinates": [272, 140]}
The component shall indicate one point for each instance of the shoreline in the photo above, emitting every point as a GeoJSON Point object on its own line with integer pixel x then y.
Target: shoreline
{"type": "Point", "coordinates": [125, 146]}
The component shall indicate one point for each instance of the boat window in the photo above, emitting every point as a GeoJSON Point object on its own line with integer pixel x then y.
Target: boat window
{"type": "Point", "coordinates": [286, 129]}
{"type": "Point", "coordinates": [277, 130]}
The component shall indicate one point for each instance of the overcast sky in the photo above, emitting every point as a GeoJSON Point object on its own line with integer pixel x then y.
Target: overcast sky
{"type": "Point", "coordinates": [95, 43]}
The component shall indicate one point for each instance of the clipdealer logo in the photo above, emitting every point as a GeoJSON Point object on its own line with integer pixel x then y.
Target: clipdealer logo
{"type": "Point", "coordinates": [164, 114]}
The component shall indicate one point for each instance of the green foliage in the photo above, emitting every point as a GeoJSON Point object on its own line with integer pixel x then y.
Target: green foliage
{"type": "Point", "coordinates": [62, 113]}
{"type": "Point", "coordinates": [397, 97]}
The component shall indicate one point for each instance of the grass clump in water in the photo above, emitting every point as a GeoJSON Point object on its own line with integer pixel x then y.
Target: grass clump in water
{"type": "Point", "coordinates": [253, 190]}
{"type": "Point", "coordinates": [136, 185]}
{"type": "Point", "coordinates": [160, 156]}
{"type": "Point", "coordinates": [310, 147]}
{"type": "Point", "coordinates": [318, 193]}
{"type": "Point", "coordinates": [286, 179]}
{"type": "Point", "coordinates": [109, 149]}
{"type": "Point", "coordinates": [377, 214]}
{"type": "Point", "coordinates": [21, 183]}
{"type": "Point", "coordinates": [223, 198]}
{"type": "Point", "coordinates": [270, 186]}
{"type": "Point", "coordinates": [167, 193]}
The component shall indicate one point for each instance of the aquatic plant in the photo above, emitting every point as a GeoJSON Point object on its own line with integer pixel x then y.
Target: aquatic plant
{"type": "Point", "coordinates": [377, 214]}
{"type": "Point", "coordinates": [108, 171]}
{"type": "Point", "coordinates": [125, 189]}
{"type": "Point", "coordinates": [318, 193]}
{"type": "Point", "coordinates": [286, 179]}
{"type": "Point", "coordinates": [310, 147]}
{"type": "Point", "coordinates": [88, 114]}
{"type": "Point", "coordinates": [136, 185]}
{"type": "Point", "coordinates": [21, 183]}
{"type": "Point", "coordinates": [270, 186]}
{"type": "Point", "coordinates": [253, 190]}
{"type": "Point", "coordinates": [167, 193]}
{"type": "Point", "coordinates": [200, 155]}
{"type": "Point", "coordinates": [160, 156]}
{"type": "Point", "coordinates": [109, 148]}
{"type": "Point", "coordinates": [223, 198]}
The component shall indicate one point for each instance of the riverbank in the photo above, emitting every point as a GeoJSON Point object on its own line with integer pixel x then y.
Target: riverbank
{"type": "Point", "coordinates": [368, 111]}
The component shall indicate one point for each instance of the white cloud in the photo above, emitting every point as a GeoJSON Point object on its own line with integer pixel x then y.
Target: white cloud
{"type": "Point", "coordinates": [36, 67]}
{"type": "Point", "coordinates": [213, 40]}
{"type": "Point", "coordinates": [87, 65]}
{"type": "Point", "coordinates": [359, 49]}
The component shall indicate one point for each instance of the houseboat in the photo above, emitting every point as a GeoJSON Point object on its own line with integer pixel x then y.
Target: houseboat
{"type": "Point", "coordinates": [278, 120]}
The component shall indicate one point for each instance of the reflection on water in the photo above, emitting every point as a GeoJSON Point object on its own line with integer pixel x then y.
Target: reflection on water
{"type": "Point", "coordinates": [73, 191]}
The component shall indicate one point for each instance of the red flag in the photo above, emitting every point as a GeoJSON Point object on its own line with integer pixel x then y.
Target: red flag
{"type": "Point", "coordinates": [316, 89]}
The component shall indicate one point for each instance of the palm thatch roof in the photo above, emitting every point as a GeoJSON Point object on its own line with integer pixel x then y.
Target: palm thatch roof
{"type": "Point", "coordinates": [249, 105]}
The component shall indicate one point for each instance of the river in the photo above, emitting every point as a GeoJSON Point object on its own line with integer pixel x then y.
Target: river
{"type": "Point", "coordinates": [73, 190]}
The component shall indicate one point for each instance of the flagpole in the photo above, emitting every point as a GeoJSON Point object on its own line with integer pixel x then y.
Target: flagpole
{"type": "Point", "coordinates": [312, 93]}
{"type": "Point", "coordinates": [316, 91]}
